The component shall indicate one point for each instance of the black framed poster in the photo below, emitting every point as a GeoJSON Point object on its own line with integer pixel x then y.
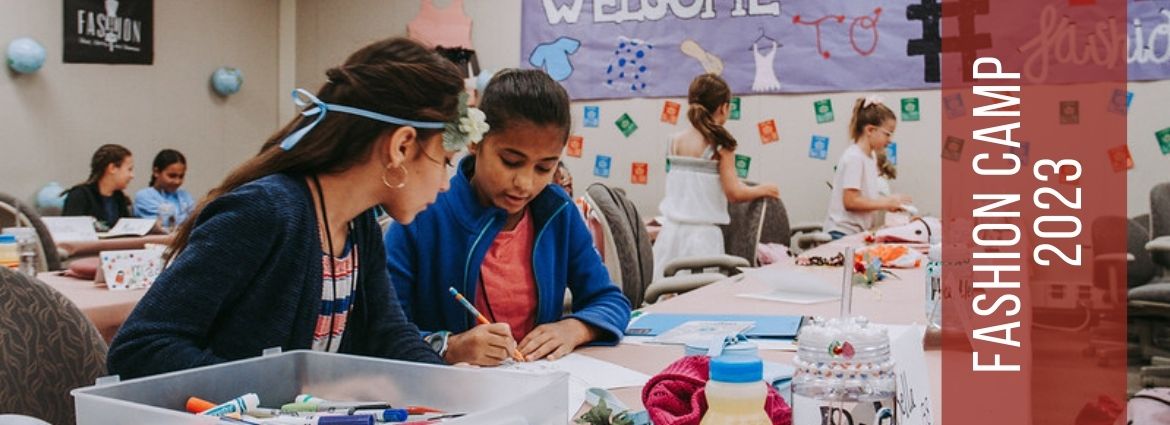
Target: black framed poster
{"type": "Point", "coordinates": [109, 31]}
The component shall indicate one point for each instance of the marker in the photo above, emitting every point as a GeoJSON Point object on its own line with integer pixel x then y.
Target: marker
{"type": "Point", "coordinates": [239, 404]}
{"type": "Point", "coordinates": [324, 406]}
{"type": "Point", "coordinates": [482, 320]}
{"type": "Point", "coordinates": [323, 420]}
{"type": "Point", "coordinates": [196, 405]}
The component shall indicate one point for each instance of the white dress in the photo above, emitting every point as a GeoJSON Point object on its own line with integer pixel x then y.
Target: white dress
{"type": "Point", "coordinates": [765, 76]}
{"type": "Point", "coordinates": [693, 208]}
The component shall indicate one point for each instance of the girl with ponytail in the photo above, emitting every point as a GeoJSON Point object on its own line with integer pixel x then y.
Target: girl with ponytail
{"type": "Point", "coordinates": [857, 198]}
{"type": "Point", "coordinates": [702, 178]}
{"type": "Point", "coordinates": [286, 251]}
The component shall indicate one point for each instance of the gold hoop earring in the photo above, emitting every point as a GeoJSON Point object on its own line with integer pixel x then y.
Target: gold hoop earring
{"type": "Point", "coordinates": [400, 184]}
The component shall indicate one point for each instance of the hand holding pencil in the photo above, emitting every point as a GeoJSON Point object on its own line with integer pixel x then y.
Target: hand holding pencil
{"type": "Point", "coordinates": [488, 344]}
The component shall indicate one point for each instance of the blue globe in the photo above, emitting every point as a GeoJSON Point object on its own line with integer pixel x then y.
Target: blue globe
{"type": "Point", "coordinates": [50, 197]}
{"type": "Point", "coordinates": [481, 80]}
{"type": "Point", "coordinates": [25, 55]}
{"type": "Point", "coordinates": [226, 81]}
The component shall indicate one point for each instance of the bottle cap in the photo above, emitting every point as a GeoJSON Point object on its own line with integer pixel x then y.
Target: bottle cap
{"type": "Point", "coordinates": [737, 369]}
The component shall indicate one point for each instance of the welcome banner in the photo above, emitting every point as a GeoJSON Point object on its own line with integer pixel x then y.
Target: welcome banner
{"type": "Point", "coordinates": [653, 48]}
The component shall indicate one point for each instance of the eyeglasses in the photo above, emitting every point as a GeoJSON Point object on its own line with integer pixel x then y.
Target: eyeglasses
{"type": "Point", "coordinates": [888, 132]}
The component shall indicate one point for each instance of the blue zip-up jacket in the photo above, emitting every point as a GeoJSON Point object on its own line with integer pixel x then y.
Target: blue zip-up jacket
{"type": "Point", "coordinates": [446, 244]}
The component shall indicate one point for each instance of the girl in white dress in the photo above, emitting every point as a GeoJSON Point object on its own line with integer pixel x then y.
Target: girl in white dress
{"type": "Point", "coordinates": [702, 178]}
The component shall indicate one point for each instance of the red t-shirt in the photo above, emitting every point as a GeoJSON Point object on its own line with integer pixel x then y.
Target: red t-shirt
{"type": "Point", "coordinates": [507, 285]}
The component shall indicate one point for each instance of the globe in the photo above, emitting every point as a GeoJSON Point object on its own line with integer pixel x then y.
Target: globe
{"type": "Point", "coordinates": [226, 81]}
{"type": "Point", "coordinates": [50, 198]}
{"type": "Point", "coordinates": [25, 55]}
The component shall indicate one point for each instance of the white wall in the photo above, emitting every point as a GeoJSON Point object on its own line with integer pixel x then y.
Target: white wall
{"type": "Point", "coordinates": [53, 120]}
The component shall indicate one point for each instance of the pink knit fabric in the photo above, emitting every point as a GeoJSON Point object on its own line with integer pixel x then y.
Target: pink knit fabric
{"type": "Point", "coordinates": [677, 395]}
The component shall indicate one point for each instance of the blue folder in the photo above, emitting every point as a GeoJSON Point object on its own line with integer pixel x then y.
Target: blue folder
{"type": "Point", "coordinates": [779, 327]}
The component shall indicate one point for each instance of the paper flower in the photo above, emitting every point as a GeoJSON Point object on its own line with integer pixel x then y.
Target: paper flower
{"type": "Point", "coordinates": [468, 128]}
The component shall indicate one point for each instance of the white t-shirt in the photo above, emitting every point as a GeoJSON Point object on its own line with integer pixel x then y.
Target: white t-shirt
{"type": "Point", "coordinates": [855, 170]}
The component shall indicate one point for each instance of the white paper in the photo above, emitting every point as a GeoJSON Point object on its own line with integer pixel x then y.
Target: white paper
{"type": "Point", "coordinates": [702, 330]}
{"type": "Point", "coordinates": [71, 229]}
{"type": "Point", "coordinates": [914, 391]}
{"type": "Point", "coordinates": [761, 343]}
{"type": "Point", "coordinates": [584, 372]}
{"type": "Point", "coordinates": [792, 286]}
{"type": "Point", "coordinates": [131, 227]}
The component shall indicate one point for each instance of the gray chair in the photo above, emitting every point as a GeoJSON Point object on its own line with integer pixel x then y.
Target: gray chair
{"type": "Point", "coordinates": [49, 348]}
{"type": "Point", "coordinates": [1149, 304]}
{"type": "Point", "coordinates": [14, 213]}
{"type": "Point", "coordinates": [743, 233]}
{"type": "Point", "coordinates": [778, 229]}
{"type": "Point", "coordinates": [629, 255]}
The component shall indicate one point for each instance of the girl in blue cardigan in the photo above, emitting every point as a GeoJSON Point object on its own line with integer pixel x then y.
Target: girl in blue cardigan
{"type": "Point", "coordinates": [286, 251]}
{"type": "Point", "coordinates": [509, 241]}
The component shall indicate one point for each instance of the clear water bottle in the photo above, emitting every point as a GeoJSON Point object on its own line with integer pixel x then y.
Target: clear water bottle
{"type": "Point", "coordinates": [166, 217]}
{"type": "Point", "coordinates": [29, 256]}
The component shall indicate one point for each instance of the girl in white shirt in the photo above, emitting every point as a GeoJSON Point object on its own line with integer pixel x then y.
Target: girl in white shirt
{"type": "Point", "coordinates": [856, 197]}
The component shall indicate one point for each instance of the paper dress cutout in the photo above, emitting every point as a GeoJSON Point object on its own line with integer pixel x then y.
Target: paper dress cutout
{"type": "Point", "coordinates": [447, 27]}
{"type": "Point", "coordinates": [765, 75]}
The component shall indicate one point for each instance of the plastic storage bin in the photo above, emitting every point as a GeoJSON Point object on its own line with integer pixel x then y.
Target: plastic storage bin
{"type": "Point", "coordinates": [487, 396]}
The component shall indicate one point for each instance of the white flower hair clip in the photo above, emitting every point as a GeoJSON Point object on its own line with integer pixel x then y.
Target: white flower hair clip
{"type": "Point", "coordinates": [469, 128]}
{"type": "Point", "coordinates": [872, 99]}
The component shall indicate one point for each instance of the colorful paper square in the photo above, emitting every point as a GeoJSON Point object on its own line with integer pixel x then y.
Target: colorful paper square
{"type": "Point", "coordinates": [954, 106]}
{"type": "Point", "coordinates": [670, 112]}
{"type": "Point", "coordinates": [1070, 112]}
{"type": "Point", "coordinates": [639, 173]}
{"type": "Point", "coordinates": [601, 166]}
{"type": "Point", "coordinates": [742, 164]}
{"type": "Point", "coordinates": [592, 116]}
{"type": "Point", "coordinates": [768, 133]}
{"type": "Point", "coordinates": [1022, 152]}
{"type": "Point", "coordinates": [909, 109]}
{"type": "Point", "coordinates": [818, 147]}
{"type": "Point", "coordinates": [892, 153]}
{"type": "Point", "coordinates": [626, 125]}
{"type": "Point", "coordinates": [735, 109]}
{"type": "Point", "coordinates": [824, 110]}
{"type": "Point", "coordinates": [1120, 158]}
{"type": "Point", "coordinates": [953, 148]}
{"type": "Point", "coordinates": [576, 146]}
{"type": "Point", "coordinates": [1119, 102]}
{"type": "Point", "coordinates": [1163, 136]}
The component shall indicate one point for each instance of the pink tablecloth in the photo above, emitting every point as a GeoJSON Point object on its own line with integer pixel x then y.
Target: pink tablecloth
{"type": "Point", "coordinates": [105, 308]}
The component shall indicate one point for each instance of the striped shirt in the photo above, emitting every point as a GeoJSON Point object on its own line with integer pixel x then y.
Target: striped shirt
{"type": "Point", "coordinates": [336, 301]}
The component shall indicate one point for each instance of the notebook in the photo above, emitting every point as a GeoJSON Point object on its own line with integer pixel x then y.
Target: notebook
{"type": "Point", "coordinates": [780, 327]}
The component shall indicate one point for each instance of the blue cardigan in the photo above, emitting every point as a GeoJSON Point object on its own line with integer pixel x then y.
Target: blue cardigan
{"type": "Point", "coordinates": [250, 279]}
{"type": "Point", "coordinates": [446, 244]}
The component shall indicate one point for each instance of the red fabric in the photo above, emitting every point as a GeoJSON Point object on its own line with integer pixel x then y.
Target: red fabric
{"type": "Point", "coordinates": [677, 395]}
{"type": "Point", "coordinates": [85, 268]}
{"type": "Point", "coordinates": [508, 281]}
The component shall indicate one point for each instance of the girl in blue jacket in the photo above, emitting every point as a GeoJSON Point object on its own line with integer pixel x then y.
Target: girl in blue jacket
{"type": "Point", "coordinates": [509, 241]}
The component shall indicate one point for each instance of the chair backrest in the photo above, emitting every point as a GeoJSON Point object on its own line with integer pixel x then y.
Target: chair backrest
{"type": "Point", "coordinates": [635, 256]}
{"type": "Point", "coordinates": [1142, 269]}
{"type": "Point", "coordinates": [776, 227]}
{"type": "Point", "coordinates": [22, 214]}
{"type": "Point", "coordinates": [742, 234]}
{"type": "Point", "coordinates": [49, 348]}
{"type": "Point", "coordinates": [1160, 210]}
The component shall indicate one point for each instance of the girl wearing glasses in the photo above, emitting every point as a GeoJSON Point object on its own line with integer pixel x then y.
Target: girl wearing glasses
{"type": "Point", "coordinates": [856, 198]}
{"type": "Point", "coordinates": [286, 251]}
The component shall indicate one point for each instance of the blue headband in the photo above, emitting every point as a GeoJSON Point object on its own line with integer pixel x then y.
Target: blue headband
{"type": "Point", "coordinates": [303, 98]}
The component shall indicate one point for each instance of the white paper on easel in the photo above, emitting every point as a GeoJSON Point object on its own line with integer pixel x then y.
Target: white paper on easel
{"type": "Point", "coordinates": [131, 227]}
{"type": "Point", "coordinates": [129, 269]}
{"type": "Point", "coordinates": [792, 286]}
{"type": "Point", "coordinates": [71, 229]}
{"type": "Point", "coordinates": [914, 392]}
